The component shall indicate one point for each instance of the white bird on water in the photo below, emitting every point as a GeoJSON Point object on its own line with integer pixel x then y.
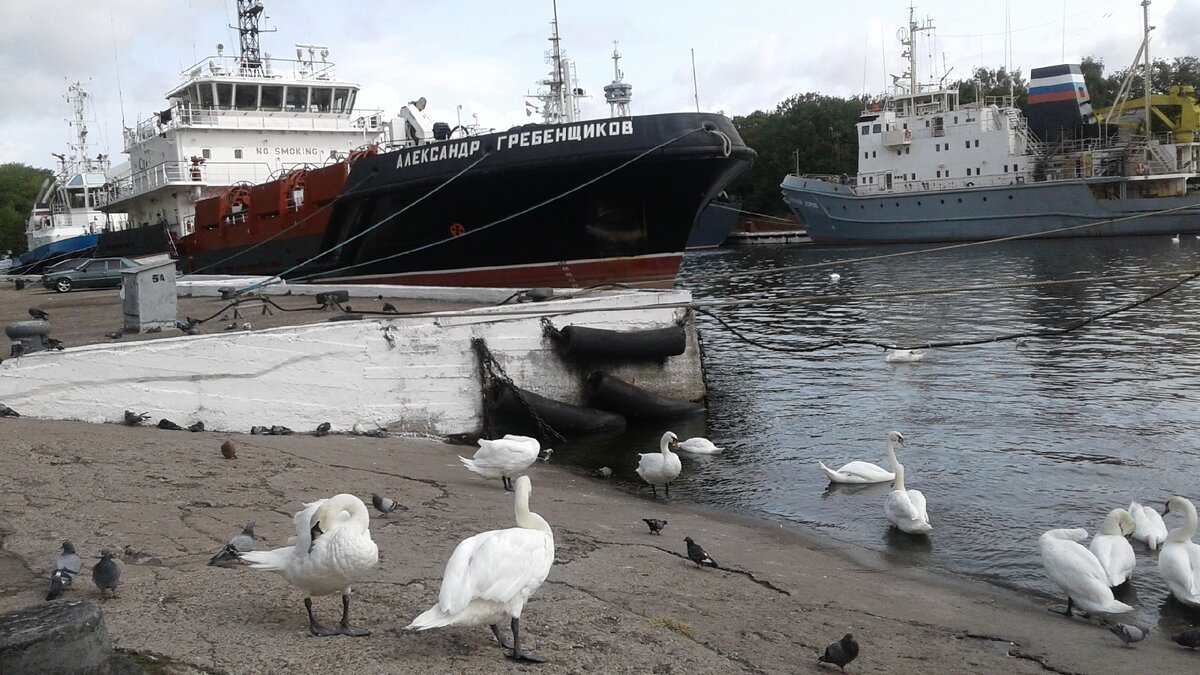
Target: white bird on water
{"type": "Point", "coordinates": [1112, 549]}
{"type": "Point", "coordinates": [1078, 573]}
{"type": "Point", "coordinates": [332, 549]}
{"type": "Point", "coordinates": [906, 508]}
{"type": "Point", "coordinates": [835, 277]}
{"type": "Point", "coordinates": [1175, 239]}
{"type": "Point", "coordinates": [903, 355]}
{"type": "Point", "coordinates": [503, 458]}
{"type": "Point", "coordinates": [1179, 559]}
{"type": "Point", "coordinates": [1148, 525]}
{"type": "Point", "coordinates": [700, 446]}
{"type": "Point", "coordinates": [865, 472]}
{"type": "Point", "coordinates": [490, 576]}
{"type": "Point", "coordinates": [662, 467]}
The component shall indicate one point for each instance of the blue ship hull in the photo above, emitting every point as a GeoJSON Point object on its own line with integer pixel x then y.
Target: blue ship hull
{"type": "Point", "coordinates": [56, 250]}
{"type": "Point", "coordinates": [714, 224]}
{"type": "Point", "coordinates": [833, 213]}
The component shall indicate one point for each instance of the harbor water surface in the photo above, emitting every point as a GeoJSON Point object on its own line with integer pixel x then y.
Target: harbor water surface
{"type": "Point", "coordinates": [1006, 440]}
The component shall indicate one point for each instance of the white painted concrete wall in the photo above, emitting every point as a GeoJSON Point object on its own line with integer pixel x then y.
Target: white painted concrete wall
{"type": "Point", "coordinates": [343, 372]}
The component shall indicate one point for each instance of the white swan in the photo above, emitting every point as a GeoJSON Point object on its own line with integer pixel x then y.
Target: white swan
{"type": "Point", "coordinates": [903, 355]}
{"type": "Point", "coordinates": [700, 446]}
{"type": "Point", "coordinates": [1148, 525]}
{"type": "Point", "coordinates": [835, 277]}
{"type": "Point", "coordinates": [1112, 549]}
{"type": "Point", "coordinates": [1078, 573]}
{"type": "Point", "coordinates": [1179, 560]}
{"type": "Point", "coordinates": [660, 468]}
{"type": "Point", "coordinates": [332, 548]}
{"type": "Point", "coordinates": [491, 575]}
{"type": "Point", "coordinates": [865, 472]}
{"type": "Point", "coordinates": [503, 458]}
{"type": "Point", "coordinates": [906, 508]}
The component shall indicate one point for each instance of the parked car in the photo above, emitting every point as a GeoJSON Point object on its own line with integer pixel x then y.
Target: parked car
{"type": "Point", "coordinates": [64, 265]}
{"type": "Point", "coordinates": [95, 273]}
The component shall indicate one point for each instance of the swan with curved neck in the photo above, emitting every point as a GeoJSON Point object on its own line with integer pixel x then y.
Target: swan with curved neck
{"type": "Point", "coordinates": [865, 472]}
{"type": "Point", "coordinates": [490, 576]}
{"type": "Point", "coordinates": [906, 508]}
{"type": "Point", "coordinates": [1179, 560]}
{"type": "Point", "coordinates": [1148, 525]}
{"type": "Point", "coordinates": [332, 548]}
{"type": "Point", "coordinates": [1112, 549]}
{"type": "Point", "coordinates": [1078, 573]}
{"type": "Point", "coordinates": [662, 467]}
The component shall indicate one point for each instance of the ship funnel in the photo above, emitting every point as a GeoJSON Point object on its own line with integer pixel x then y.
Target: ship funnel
{"type": "Point", "coordinates": [1059, 105]}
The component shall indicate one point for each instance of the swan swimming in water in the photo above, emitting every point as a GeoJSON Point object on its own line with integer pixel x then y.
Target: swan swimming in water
{"type": "Point", "coordinates": [906, 508]}
{"type": "Point", "coordinates": [490, 576]}
{"type": "Point", "coordinates": [865, 472]}
{"type": "Point", "coordinates": [700, 446]}
{"type": "Point", "coordinates": [1112, 549]}
{"type": "Point", "coordinates": [1078, 573]}
{"type": "Point", "coordinates": [332, 548]}
{"type": "Point", "coordinates": [1148, 525]}
{"type": "Point", "coordinates": [1179, 559]}
{"type": "Point", "coordinates": [903, 355]}
{"type": "Point", "coordinates": [660, 468]}
{"type": "Point", "coordinates": [503, 458]}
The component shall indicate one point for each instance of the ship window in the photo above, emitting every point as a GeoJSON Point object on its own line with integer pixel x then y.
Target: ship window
{"type": "Point", "coordinates": [943, 201]}
{"type": "Point", "coordinates": [906, 150]}
{"type": "Point", "coordinates": [205, 95]}
{"type": "Point", "coordinates": [224, 95]}
{"type": "Point", "coordinates": [272, 98]}
{"type": "Point", "coordinates": [1005, 168]}
{"type": "Point", "coordinates": [968, 143]}
{"type": "Point", "coordinates": [297, 98]}
{"type": "Point", "coordinates": [350, 101]}
{"type": "Point", "coordinates": [906, 125]}
{"type": "Point", "coordinates": [985, 199]}
{"type": "Point", "coordinates": [237, 153]}
{"type": "Point", "coordinates": [939, 173]}
{"type": "Point", "coordinates": [206, 153]}
{"type": "Point", "coordinates": [918, 202]}
{"type": "Point", "coordinates": [1010, 196]}
{"type": "Point", "coordinates": [245, 97]}
{"type": "Point", "coordinates": [1015, 167]}
{"type": "Point", "coordinates": [938, 147]}
{"type": "Point", "coordinates": [866, 156]}
{"type": "Point", "coordinates": [872, 153]}
{"type": "Point", "coordinates": [876, 129]}
{"type": "Point", "coordinates": [977, 142]}
{"type": "Point", "coordinates": [340, 100]}
{"type": "Point", "coordinates": [76, 198]}
{"type": "Point", "coordinates": [866, 130]}
{"type": "Point", "coordinates": [897, 153]}
{"type": "Point", "coordinates": [321, 99]}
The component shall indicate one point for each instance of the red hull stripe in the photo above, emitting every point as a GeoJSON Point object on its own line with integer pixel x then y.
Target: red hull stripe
{"type": "Point", "coordinates": [659, 268]}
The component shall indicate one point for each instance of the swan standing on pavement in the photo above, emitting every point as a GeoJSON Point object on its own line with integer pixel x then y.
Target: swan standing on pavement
{"type": "Point", "coordinates": [906, 508]}
{"type": "Point", "coordinates": [491, 575]}
{"type": "Point", "coordinates": [700, 446]}
{"type": "Point", "coordinates": [660, 468]}
{"type": "Point", "coordinates": [1078, 573]}
{"type": "Point", "coordinates": [865, 472]}
{"type": "Point", "coordinates": [1179, 560]}
{"type": "Point", "coordinates": [503, 458]}
{"type": "Point", "coordinates": [1148, 525]}
{"type": "Point", "coordinates": [332, 549]}
{"type": "Point", "coordinates": [1112, 549]}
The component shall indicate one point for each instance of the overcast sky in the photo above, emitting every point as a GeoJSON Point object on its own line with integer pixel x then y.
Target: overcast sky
{"type": "Point", "coordinates": [486, 55]}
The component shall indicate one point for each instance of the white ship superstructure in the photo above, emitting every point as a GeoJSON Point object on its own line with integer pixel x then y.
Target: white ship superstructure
{"type": "Point", "coordinates": [236, 119]}
{"type": "Point", "coordinates": [66, 204]}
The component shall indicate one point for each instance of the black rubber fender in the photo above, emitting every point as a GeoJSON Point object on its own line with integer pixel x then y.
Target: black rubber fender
{"type": "Point", "coordinates": [606, 392]}
{"type": "Point", "coordinates": [580, 343]}
{"type": "Point", "coordinates": [562, 417]}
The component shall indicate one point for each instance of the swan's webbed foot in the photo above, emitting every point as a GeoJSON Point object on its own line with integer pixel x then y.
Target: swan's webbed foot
{"type": "Point", "coordinates": [518, 654]}
{"type": "Point", "coordinates": [500, 638]}
{"type": "Point", "coordinates": [1067, 612]}
{"type": "Point", "coordinates": [344, 627]}
{"type": "Point", "coordinates": [315, 629]}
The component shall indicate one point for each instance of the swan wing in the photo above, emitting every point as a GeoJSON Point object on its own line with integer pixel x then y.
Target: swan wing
{"type": "Point", "coordinates": [918, 502]}
{"type": "Point", "coordinates": [496, 566]}
{"type": "Point", "coordinates": [1115, 555]}
{"type": "Point", "coordinates": [1077, 571]}
{"type": "Point", "coordinates": [1179, 566]}
{"type": "Point", "coordinates": [701, 446]}
{"type": "Point", "coordinates": [303, 521]}
{"type": "Point", "coordinates": [903, 513]}
{"type": "Point", "coordinates": [859, 472]}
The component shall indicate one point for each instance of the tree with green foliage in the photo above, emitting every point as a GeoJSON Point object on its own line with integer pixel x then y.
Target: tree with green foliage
{"type": "Point", "coordinates": [993, 83]}
{"type": "Point", "coordinates": [1164, 74]}
{"type": "Point", "coordinates": [19, 185]}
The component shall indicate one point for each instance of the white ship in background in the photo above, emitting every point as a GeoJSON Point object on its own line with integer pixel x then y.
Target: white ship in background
{"type": "Point", "coordinates": [65, 218]}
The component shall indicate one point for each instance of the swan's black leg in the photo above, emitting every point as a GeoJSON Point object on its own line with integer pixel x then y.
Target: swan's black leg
{"type": "Point", "coordinates": [507, 483]}
{"type": "Point", "coordinates": [315, 628]}
{"type": "Point", "coordinates": [654, 488]}
{"type": "Point", "coordinates": [517, 653]}
{"type": "Point", "coordinates": [668, 486]}
{"type": "Point", "coordinates": [500, 638]}
{"type": "Point", "coordinates": [344, 626]}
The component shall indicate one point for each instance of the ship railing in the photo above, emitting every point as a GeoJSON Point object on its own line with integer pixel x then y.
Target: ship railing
{"type": "Point", "coordinates": [185, 173]}
{"type": "Point", "coordinates": [183, 116]}
{"type": "Point", "coordinates": [1000, 101]}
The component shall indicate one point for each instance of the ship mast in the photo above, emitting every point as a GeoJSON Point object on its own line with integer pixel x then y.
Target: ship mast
{"type": "Point", "coordinates": [908, 38]}
{"type": "Point", "coordinates": [250, 61]}
{"type": "Point", "coordinates": [1146, 62]}
{"type": "Point", "coordinates": [560, 103]}
{"type": "Point", "coordinates": [79, 160]}
{"type": "Point", "coordinates": [618, 93]}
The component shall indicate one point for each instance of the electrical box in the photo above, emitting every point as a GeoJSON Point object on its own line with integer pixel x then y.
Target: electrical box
{"type": "Point", "coordinates": [150, 299]}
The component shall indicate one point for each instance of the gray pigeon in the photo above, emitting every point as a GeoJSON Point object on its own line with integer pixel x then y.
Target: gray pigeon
{"type": "Point", "coordinates": [384, 505]}
{"type": "Point", "coordinates": [133, 419]}
{"type": "Point", "coordinates": [841, 652]}
{"type": "Point", "coordinates": [278, 430]}
{"type": "Point", "coordinates": [655, 524]}
{"type": "Point", "coordinates": [66, 568]}
{"type": "Point", "coordinates": [54, 344]}
{"type": "Point", "coordinates": [603, 472]}
{"type": "Point", "coordinates": [106, 573]}
{"type": "Point", "coordinates": [545, 454]}
{"type": "Point", "coordinates": [390, 308]}
{"type": "Point", "coordinates": [6, 411]}
{"type": "Point", "coordinates": [240, 543]}
{"type": "Point", "coordinates": [1128, 633]}
{"type": "Point", "coordinates": [38, 314]}
{"type": "Point", "coordinates": [1189, 638]}
{"type": "Point", "coordinates": [698, 555]}
{"type": "Point", "coordinates": [167, 424]}
{"type": "Point", "coordinates": [115, 335]}
{"type": "Point", "coordinates": [377, 433]}
{"type": "Point", "coordinates": [198, 426]}
{"type": "Point", "coordinates": [258, 430]}
{"type": "Point", "coordinates": [323, 428]}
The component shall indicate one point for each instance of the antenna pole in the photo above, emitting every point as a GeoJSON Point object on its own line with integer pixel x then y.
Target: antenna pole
{"type": "Point", "coordinates": [695, 88]}
{"type": "Point", "coordinates": [1146, 28]}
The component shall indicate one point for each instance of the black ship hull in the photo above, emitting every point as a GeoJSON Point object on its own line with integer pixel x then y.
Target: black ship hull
{"type": "Point", "coordinates": [576, 204]}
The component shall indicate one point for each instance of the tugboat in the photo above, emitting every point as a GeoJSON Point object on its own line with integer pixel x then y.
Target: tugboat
{"type": "Point", "coordinates": [65, 220]}
{"type": "Point", "coordinates": [565, 202]}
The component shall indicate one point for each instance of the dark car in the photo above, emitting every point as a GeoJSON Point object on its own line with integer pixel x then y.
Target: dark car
{"type": "Point", "coordinates": [95, 273]}
{"type": "Point", "coordinates": [64, 265]}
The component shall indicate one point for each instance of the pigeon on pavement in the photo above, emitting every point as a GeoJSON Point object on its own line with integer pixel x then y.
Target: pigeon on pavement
{"type": "Point", "coordinates": [384, 505]}
{"type": "Point", "coordinates": [1189, 638]}
{"type": "Point", "coordinates": [198, 426]}
{"type": "Point", "coordinates": [698, 555]}
{"type": "Point", "coordinates": [602, 472]}
{"type": "Point", "coordinates": [655, 524]}
{"type": "Point", "coordinates": [229, 450]}
{"type": "Point", "coordinates": [323, 428]}
{"type": "Point", "coordinates": [167, 424]}
{"type": "Point", "coordinates": [106, 574]}
{"type": "Point", "coordinates": [6, 411]}
{"type": "Point", "coordinates": [133, 419]}
{"type": "Point", "coordinates": [38, 314]}
{"type": "Point", "coordinates": [240, 543]}
{"type": "Point", "coordinates": [1128, 633]}
{"type": "Point", "coordinates": [841, 652]}
{"type": "Point", "coordinates": [66, 568]}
